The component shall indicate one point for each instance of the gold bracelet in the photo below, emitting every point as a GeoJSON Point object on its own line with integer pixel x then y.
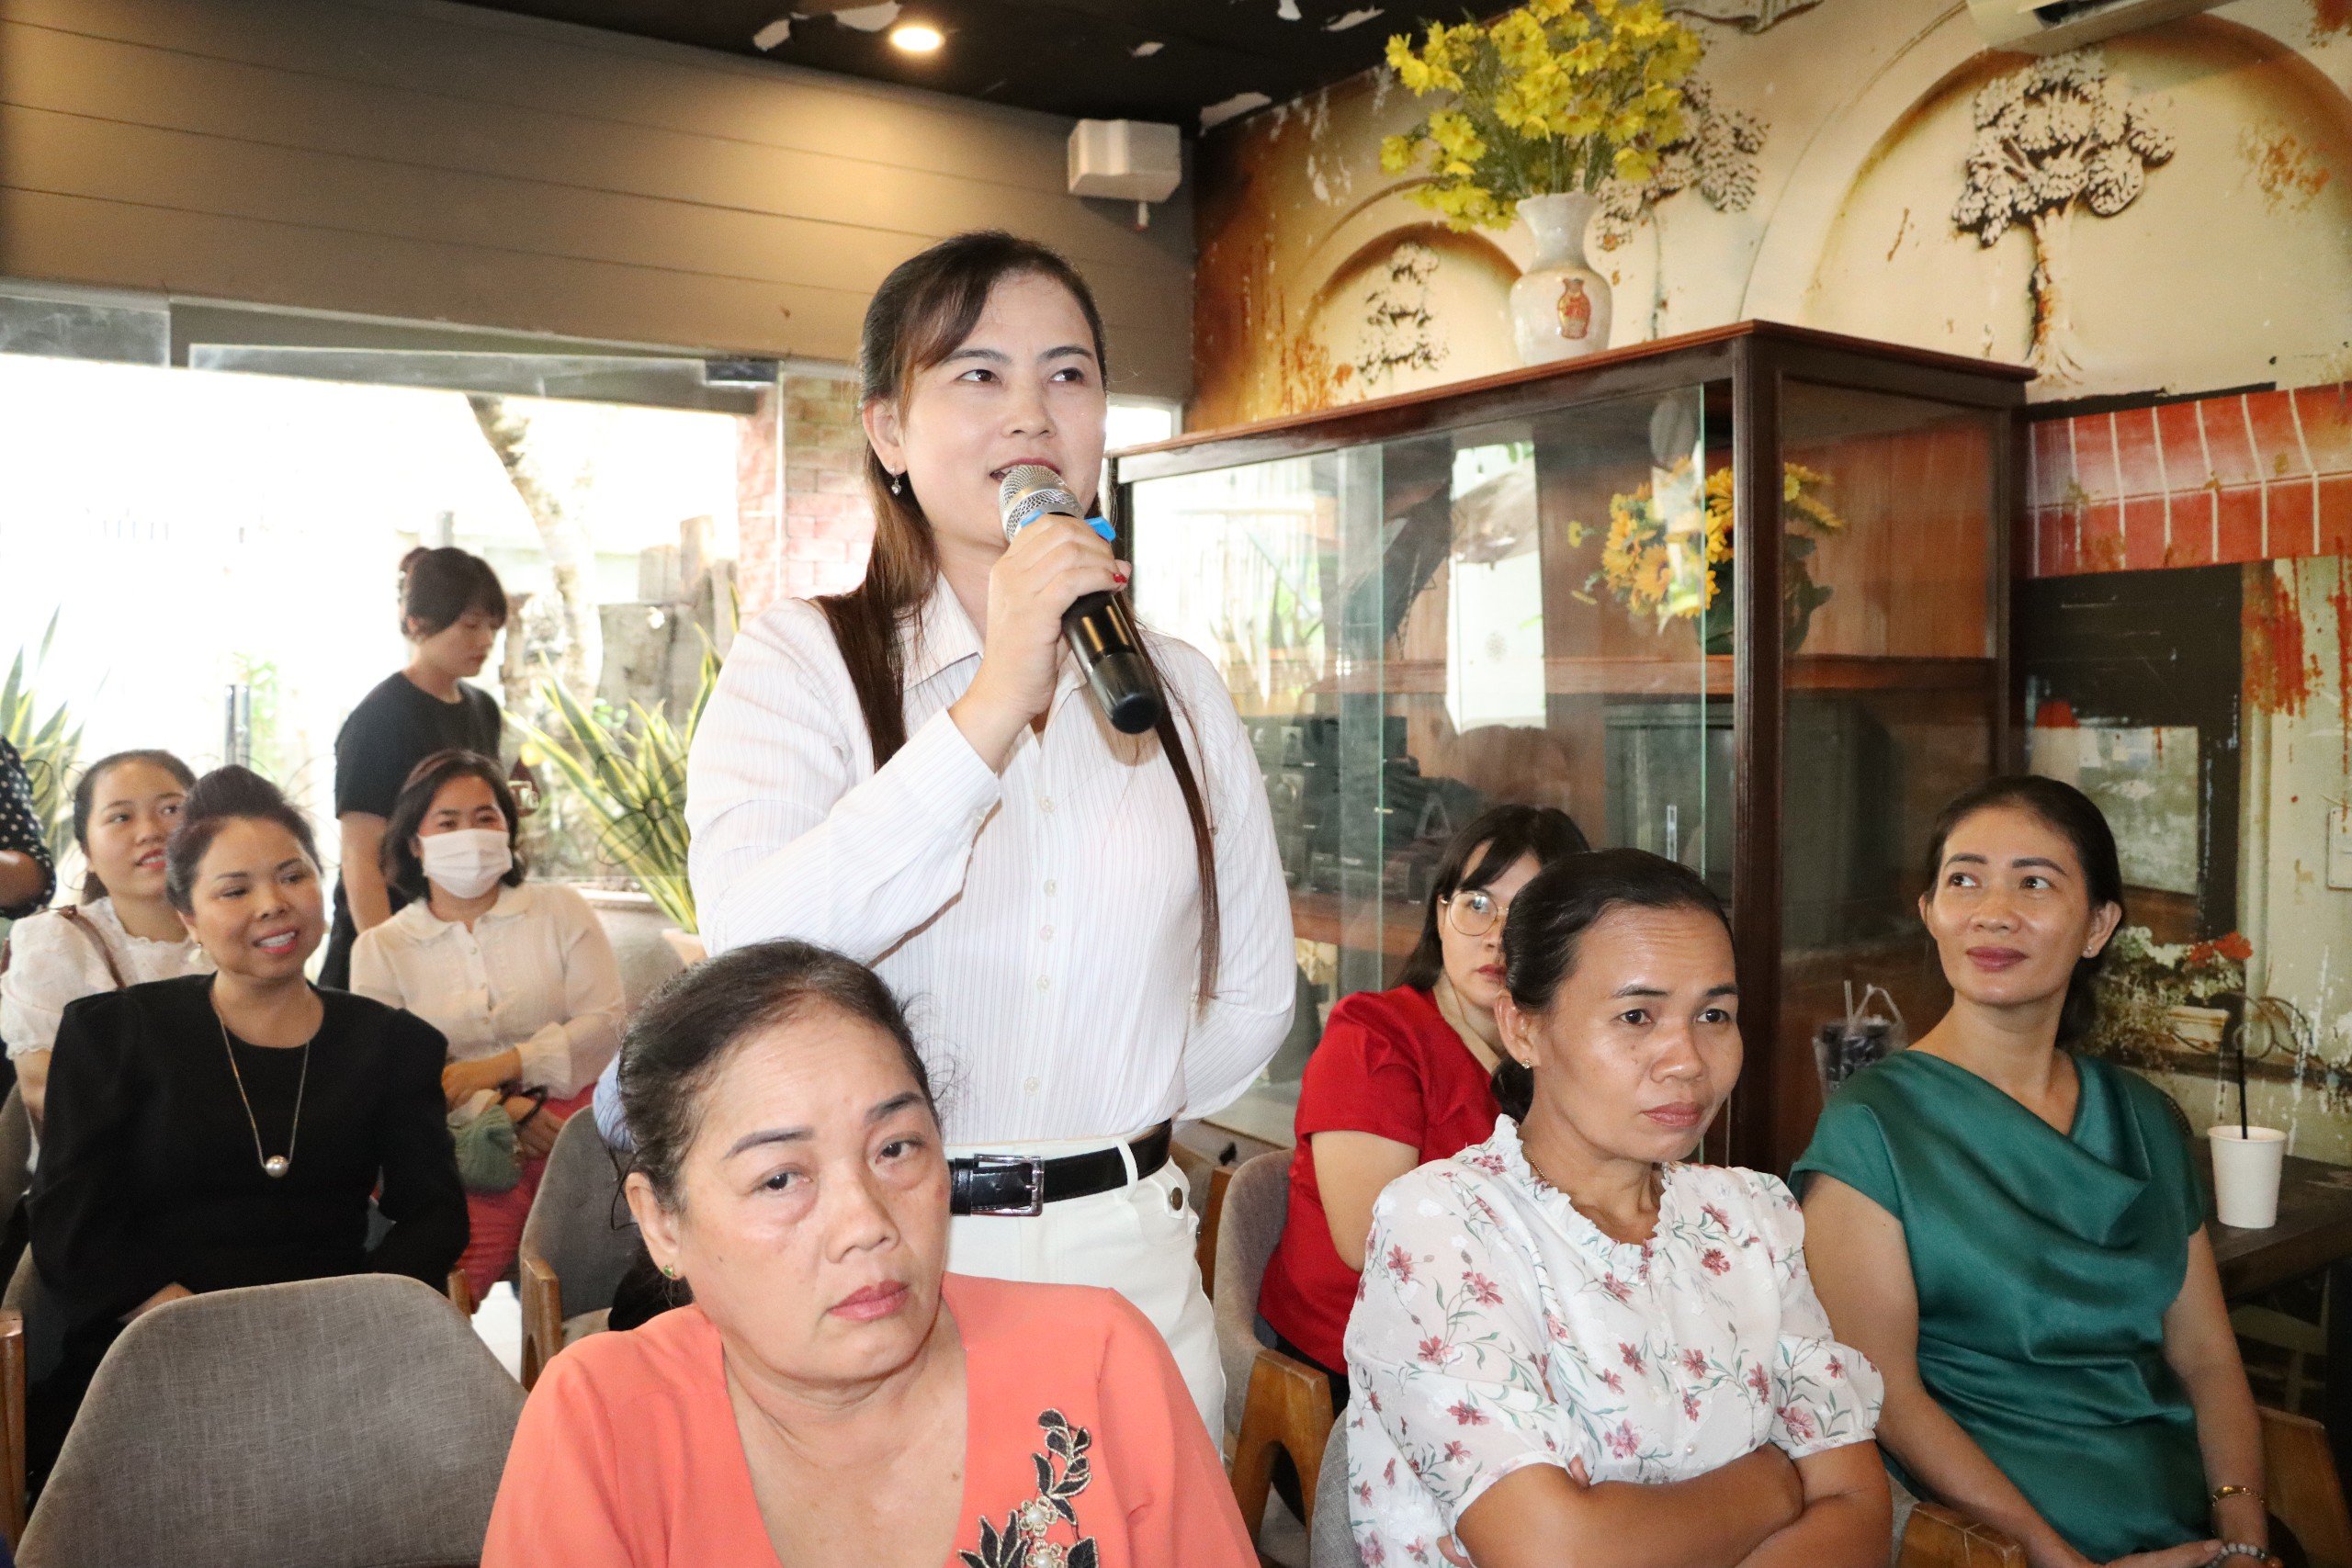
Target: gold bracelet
{"type": "Point", "coordinates": [2219, 1493]}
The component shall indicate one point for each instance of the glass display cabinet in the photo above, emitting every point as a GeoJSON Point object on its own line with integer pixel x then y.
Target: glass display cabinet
{"type": "Point", "coordinates": [1541, 587]}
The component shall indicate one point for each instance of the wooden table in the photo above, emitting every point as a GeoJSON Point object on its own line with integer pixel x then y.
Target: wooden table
{"type": "Point", "coordinates": [2313, 1235]}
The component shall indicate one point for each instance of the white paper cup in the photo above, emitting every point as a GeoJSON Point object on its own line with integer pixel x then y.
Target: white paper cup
{"type": "Point", "coordinates": [2245, 1175]}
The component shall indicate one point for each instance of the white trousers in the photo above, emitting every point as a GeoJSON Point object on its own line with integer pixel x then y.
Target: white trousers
{"type": "Point", "coordinates": [1136, 1239]}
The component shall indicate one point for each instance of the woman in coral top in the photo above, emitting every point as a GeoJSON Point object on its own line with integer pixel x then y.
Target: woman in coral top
{"type": "Point", "coordinates": [1401, 1078]}
{"type": "Point", "coordinates": [832, 1393]}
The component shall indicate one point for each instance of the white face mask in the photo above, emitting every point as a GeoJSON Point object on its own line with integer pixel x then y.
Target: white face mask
{"type": "Point", "coordinates": [468, 863]}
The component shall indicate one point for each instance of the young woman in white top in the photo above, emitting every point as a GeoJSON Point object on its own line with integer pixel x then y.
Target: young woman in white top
{"type": "Point", "coordinates": [1090, 927]}
{"type": "Point", "coordinates": [126, 933]}
{"type": "Point", "coordinates": [518, 976]}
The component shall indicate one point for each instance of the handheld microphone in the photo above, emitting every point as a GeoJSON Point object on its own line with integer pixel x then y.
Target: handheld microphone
{"type": "Point", "coordinates": [1099, 631]}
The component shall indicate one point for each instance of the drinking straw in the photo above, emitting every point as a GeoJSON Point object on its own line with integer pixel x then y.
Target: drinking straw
{"type": "Point", "coordinates": [2244, 1132]}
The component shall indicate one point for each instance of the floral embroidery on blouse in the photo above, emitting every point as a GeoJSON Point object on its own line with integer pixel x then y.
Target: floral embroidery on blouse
{"type": "Point", "coordinates": [1496, 1327]}
{"type": "Point", "coordinates": [1063, 1471]}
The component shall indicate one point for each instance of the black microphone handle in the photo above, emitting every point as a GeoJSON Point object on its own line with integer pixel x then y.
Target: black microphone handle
{"type": "Point", "coordinates": [1102, 636]}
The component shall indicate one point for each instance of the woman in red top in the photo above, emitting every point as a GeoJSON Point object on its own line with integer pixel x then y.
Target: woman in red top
{"type": "Point", "coordinates": [1401, 1078]}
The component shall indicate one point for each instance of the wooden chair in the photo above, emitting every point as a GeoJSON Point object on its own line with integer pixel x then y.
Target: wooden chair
{"type": "Point", "coordinates": [578, 1242]}
{"type": "Point", "coordinates": [1272, 1401]}
{"type": "Point", "coordinates": [2305, 1494]}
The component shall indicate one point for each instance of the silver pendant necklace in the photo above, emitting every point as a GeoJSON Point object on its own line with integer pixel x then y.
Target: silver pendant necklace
{"type": "Point", "coordinates": [272, 1166]}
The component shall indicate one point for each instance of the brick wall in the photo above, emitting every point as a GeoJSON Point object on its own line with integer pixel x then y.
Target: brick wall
{"type": "Point", "coordinates": [2245, 476]}
{"type": "Point", "coordinates": [811, 536]}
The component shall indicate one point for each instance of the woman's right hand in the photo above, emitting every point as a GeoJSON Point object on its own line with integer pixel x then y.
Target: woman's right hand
{"type": "Point", "coordinates": [1048, 567]}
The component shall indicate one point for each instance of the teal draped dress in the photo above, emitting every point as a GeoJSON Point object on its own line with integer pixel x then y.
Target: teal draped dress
{"type": "Point", "coordinates": [2044, 1262]}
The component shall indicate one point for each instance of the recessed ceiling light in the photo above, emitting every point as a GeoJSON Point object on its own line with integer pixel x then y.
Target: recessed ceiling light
{"type": "Point", "coordinates": [917, 39]}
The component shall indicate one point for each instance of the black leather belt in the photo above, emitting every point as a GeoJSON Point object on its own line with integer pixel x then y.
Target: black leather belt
{"type": "Point", "coordinates": [1021, 1185]}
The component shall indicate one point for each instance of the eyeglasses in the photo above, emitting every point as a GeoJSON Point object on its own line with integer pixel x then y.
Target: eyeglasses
{"type": "Point", "coordinates": [1475, 912]}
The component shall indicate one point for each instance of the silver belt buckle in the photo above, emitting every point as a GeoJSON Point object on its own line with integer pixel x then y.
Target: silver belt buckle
{"type": "Point", "coordinates": [984, 1164]}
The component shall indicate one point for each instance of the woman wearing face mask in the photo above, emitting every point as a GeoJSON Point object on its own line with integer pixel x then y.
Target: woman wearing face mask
{"type": "Point", "coordinates": [228, 1129]}
{"type": "Point", "coordinates": [451, 610]}
{"type": "Point", "coordinates": [517, 976]}
{"type": "Point", "coordinates": [915, 774]}
{"type": "Point", "coordinates": [1571, 1346]}
{"type": "Point", "coordinates": [126, 933]}
{"type": "Point", "coordinates": [1401, 1078]}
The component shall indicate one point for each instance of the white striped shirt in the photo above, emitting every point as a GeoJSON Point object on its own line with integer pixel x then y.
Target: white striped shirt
{"type": "Point", "coordinates": [1043, 925]}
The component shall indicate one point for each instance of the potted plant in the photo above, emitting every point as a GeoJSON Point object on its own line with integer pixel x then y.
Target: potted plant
{"type": "Point", "coordinates": [2156, 993]}
{"type": "Point", "coordinates": [630, 768]}
{"type": "Point", "coordinates": [1548, 104]}
{"type": "Point", "coordinates": [1670, 548]}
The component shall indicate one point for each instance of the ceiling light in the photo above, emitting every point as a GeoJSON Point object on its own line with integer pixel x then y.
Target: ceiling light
{"type": "Point", "coordinates": [917, 39]}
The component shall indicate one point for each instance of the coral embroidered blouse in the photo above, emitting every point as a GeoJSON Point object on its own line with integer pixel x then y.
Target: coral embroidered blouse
{"type": "Point", "coordinates": [1499, 1329]}
{"type": "Point", "coordinates": [1388, 1065]}
{"type": "Point", "coordinates": [1081, 1445]}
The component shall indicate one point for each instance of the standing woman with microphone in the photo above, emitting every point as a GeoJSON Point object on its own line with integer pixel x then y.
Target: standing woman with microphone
{"type": "Point", "coordinates": [1090, 926]}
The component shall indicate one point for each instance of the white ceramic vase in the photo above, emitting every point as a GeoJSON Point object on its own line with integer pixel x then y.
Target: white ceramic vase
{"type": "Point", "coordinates": [1560, 305]}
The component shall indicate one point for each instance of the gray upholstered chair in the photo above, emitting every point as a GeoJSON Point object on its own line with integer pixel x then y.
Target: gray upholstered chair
{"type": "Point", "coordinates": [1330, 1538]}
{"type": "Point", "coordinates": [344, 1423]}
{"type": "Point", "coordinates": [577, 1243]}
{"type": "Point", "coordinates": [1272, 1401]}
{"type": "Point", "coordinates": [16, 1151]}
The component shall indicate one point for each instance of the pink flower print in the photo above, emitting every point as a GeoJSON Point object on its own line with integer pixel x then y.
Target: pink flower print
{"type": "Point", "coordinates": [1435, 1351]}
{"type": "Point", "coordinates": [1623, 1441]}
{"type": "Point", "coordinates": [1466, 1414]}
{"type": "Point", "coordinates": [1400, 1263]}
{"type": "Point", "coordinates": [1761, 1382]}
{"type": "Point", "coordinates": [1489, 1162]}
{"type": "Point", "coordinates": [1615, 1384]}
{"type": "Point", "coordinates": [1617, 1288]}
{"type": "Point", "coordinates": [1483, 1290]}
{"type": "Point", "coordinates": [1713, 1261]}
{"type": "Point", "coordinates": [1388, 1473]}
{"type": "Point", "coordinates": [1798, 1422]}
{"type": "Point", "coordinates": [1455, 1453]}
{"type": "Point", "coordinates": [1721, 1221]}
{"type": "Point", "coordinates": [1418, 1551]}
{"type": "Point", "coordinates": [1694, 1362]}
{"type": "Point", "coordinates": [1372, 1399]}
{"type": "Point", "coordinates": [1837, 1368]}
{"type": "Point", "coordinates": [1632, 1357]}
{"type": "Point", "coordinates": [1689, 1405]}
{"type": "Point", "coordinates": [1555, 1327]}
{"type": "Point", "coordinates": [1374, 1552]}
{"type": "Point", "coordinates": [1364, 1491]}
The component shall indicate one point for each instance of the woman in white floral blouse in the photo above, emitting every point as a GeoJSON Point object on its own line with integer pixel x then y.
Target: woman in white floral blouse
{"type": "Point", "coordinates": [1570, 1348]}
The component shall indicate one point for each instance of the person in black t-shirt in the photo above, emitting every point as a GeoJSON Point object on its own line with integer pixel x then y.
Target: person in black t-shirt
{"type": "Point", "coordinates": [451, 610]}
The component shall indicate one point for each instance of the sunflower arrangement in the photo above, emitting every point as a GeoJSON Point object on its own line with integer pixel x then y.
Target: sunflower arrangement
{"type": "Point", "coordinates": [1560, 95]}
{"type": "Point", "coordinates": [1670, 555]}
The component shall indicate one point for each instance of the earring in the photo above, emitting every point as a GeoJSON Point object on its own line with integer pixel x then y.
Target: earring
{"type": "Point", "coordinates": [898, 484]}
{"type": "Point", "coordinates": [669, 1272]}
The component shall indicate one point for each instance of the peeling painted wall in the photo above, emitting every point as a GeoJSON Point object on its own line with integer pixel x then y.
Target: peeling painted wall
{"type": "Point", "coordinates": [2232, 267]}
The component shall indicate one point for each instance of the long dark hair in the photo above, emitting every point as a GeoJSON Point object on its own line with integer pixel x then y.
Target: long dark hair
{"type": "Point", "coordinates": [1508, 832]}
{"type": "Point", "coordinates": [1548, 920]}
{"type": "Point", "coordinates": [922, 314]}
{"type": "Point", "coordinates": [222, 796]}
{"type": "Point", "coordinates": [402, 868]}
{"type": "Point", "coordinates": [440, 586]}
{"type": "Point", "coordinates": [683, 1035]}
{"type": "Point", "coordinates": [85, 799]}
{"type": "Point", "coordinates": [2076, 818]}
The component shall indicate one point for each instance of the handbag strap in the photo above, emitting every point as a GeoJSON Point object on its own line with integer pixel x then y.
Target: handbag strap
{"type": "Point", "coordinates": [88, 928]}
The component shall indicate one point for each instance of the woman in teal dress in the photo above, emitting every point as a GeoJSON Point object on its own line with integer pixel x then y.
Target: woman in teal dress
{"type": "Point", "coordinates": [2016, 1233]}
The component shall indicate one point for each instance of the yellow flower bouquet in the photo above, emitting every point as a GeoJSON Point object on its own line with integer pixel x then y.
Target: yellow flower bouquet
{"type": "Point", "coordinates": [1559, 96]}
{"type": "Point", "coordinates": [1670, 554]}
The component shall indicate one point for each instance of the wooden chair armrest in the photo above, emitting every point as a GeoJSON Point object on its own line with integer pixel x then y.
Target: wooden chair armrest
{"type": "Point", "coordinates": [542, 1295]}
{"type": "Point", "coordinates": [1939, 1538]}
{"type": "Point", "coordinates": [2304, 1492]}
{"type": "Point", "coordinates": [1288, 1407]}
{"type": "Point", "coordinates": [12, 1426]}
{"type": "Point", "coordinates": [460, 1292]}
{"type": "Point", "coordinates": [1205, 1252]}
